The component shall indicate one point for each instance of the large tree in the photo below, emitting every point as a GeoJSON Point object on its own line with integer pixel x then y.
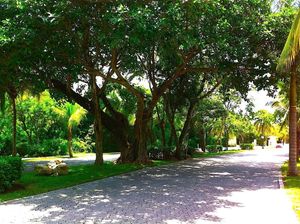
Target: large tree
{"type": "Point", "coordinates": [74, 43]}
{"type": "Point", "coordinates": [289, 62]}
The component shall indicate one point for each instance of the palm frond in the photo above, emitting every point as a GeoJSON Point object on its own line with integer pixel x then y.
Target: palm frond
{"type": "Point", "coordinates": [291, 49]}
{"type": "Point", "coordinates": [60, 112]}
{"type": "Point", "coordinates": [77, 117]}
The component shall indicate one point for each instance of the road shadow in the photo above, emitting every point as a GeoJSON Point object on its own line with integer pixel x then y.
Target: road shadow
{"type": "Point", "coordinates": [184, 192]}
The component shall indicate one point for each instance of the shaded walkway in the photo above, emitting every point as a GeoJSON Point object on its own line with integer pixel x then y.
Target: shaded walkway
{"type": "Point", "coordinates": [232, 189]}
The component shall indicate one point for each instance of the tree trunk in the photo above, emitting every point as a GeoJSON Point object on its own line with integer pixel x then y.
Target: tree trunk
{"type": "Point", "coordinates": [170, 116]}
{"type": "Point", "coordinates": [185, 130]}
{"type": "Point", "coordinates": [202, 142]}
{"type": "Point", "coordinates": [70, 150]}
{"type": "Point", "coordinates": [141, 132]}
{"type": "Point", "coordinates": [14, 123]}
{"type": "Point", "coordinates": [99, 141]}
{"type": "Point", "coordinates": [292, 170]}
{"type": "Point", "coordinates": [98, 128]}
{"type": "Point", "coordinates": [163, 132]}
{"type": "Point", "coordinates": [162, 126]}
{"type": "Point", "coordinates": [263, 136]}
{"type": "Point", "coordinates": [298, 139]}
{"type": "Point", "coordinates": [116, 123]}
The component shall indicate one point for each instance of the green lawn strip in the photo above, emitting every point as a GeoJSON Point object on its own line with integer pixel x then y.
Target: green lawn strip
{"type": "Point", "coordinates": [213, 154]}
{"type": "Point", "coordinates": [48, 158]}
{"type": "Point", "coordinates": [32, 184]}
{"type": "Point", "coordinates": [292, 186]}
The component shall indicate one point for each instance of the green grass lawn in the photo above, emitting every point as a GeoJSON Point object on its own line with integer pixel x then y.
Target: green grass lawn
{"type": "Point", "coordinates": [32, 184]}
{"type": "Point", "coordinates": [213, 154]}
{"type": "Point", "coordinates": [47, 158]}
{"type": "Point", "coordinates": [292, 186]}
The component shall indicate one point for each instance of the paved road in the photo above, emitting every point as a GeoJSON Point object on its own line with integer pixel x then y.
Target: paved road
{"type": "Point", "coordinates": [233, 189]}
{"type": "Point", "coordinates": [29, 166]}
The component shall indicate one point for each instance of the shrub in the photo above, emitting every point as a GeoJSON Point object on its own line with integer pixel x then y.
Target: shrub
{"type": "Point", "coordinates": [214, 148]}
{"type": "Point", "coordinates": [155, 153]}
{"type": "Point", "coordinates": [161, 153]}
{"type": "Point", "coordinates": [247, 146]}
{"type": "Point", "coordinates": [81, 146]}
{"type": "Point", "coordinates": [168, 152]}
{"type": "Point", "coordinates": [5, 147]}
{"type": "Point", "coordinates": [49, 147]}
{"type": "Point", "coordinates": [10, 171]}
{"type": "Point", "coordinates": [190, 151]}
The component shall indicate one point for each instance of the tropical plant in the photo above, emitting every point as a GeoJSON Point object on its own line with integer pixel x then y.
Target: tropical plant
{"type": "Point", "coordinates": [264, 123]}
{"type": "Point", "coordinates": [72, 115]}
{"type": "Point", "coordinates": [289, 62]}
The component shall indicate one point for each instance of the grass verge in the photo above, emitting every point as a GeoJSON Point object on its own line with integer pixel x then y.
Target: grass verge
{"type": "Point", "coordinates": [49, 158]}
{"type": "Point", "coordinates": [32, 184]}
{"type": "Point", "coordinates": [213, 154]}
{"type": "Point", "coordinates": [292, 186]}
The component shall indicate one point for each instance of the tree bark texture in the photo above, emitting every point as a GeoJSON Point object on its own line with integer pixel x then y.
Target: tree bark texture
{"type": "Point", "coordinates": [98, 128]}
{"type": "Point", "coordinates": [292, 170]}
{"type": "Point", "coordinates": [185, 130]}
{"type": "Point", "coordinates": [70, 150]}
{"type": "Point", "coordinates": [202, 142]}
{"type": "Point", "coordinates": [14, 123]}
{"type": "Point", "coordinates": [114, 122]}
{"type": "Point", "coordinates": [298, 139]}
{"type": "Point", "coordinates": [141, 132]}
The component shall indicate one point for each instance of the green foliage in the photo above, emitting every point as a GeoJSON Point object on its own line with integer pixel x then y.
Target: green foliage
{"type": "Point", "coordinates": [48, 147]}
{"type": "Point", "coordinates": [247, 146]}
{"type": "Point", "coordinates": [10, 171]}
{"type": "Point", "coordinates": [164, 153]}
{"type": "Point", "coordinates": [155, 42]}
{"type": "Point", "coordinates": [72, 114]}
{"type": "Point", "coordinates": [264, 122]}
{"type": "Point", "coordinates": [81, 146]}
{"type": "Point", "coordinates": [214, 148]}
{"type": "Point", "coordinates": [36, 119]}
{"type": "Point", "coordinates": [292, 48]}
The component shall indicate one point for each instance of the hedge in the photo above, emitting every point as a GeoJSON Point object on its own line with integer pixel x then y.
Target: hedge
{"type": "Point", "coordinates": [214, 148]}
{"type": "Point", "coordinates": [247, 146]}
{"type": "Point", "coordinates": [10, 171]}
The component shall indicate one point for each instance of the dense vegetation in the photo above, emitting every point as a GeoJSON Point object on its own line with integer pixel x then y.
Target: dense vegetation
{"type": "Point", "coordinates": [10, 171]}
{"type": "Point", "coordinates": [165, 74]}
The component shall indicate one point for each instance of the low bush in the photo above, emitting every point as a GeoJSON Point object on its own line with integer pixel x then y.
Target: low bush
{"type": "Point", "coordinates": [190, 150]}
{"type": "Point", "coordinates": [156, 153]}
{"type": "Point", "coordinates": [10, 171]}
{"type": "Point", "coordinates": [214, 148]}
{"type": "Point", "coordinates": [81, 146]}
{"type": "Point", "coordinates": [247, 146]}
{"type": "Point", "coordinates": [49, 147]}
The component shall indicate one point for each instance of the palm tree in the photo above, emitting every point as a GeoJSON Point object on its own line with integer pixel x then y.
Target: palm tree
{"type": "Point", "coordinates": [264, 123]}
{"type": "Point", "coordinates": [288, 62]}
{"type": "Point", "coordinates": [72, 114]}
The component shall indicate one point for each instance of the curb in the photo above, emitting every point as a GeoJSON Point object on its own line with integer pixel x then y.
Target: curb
{"type": "Point", "coordinates": [280, 182]}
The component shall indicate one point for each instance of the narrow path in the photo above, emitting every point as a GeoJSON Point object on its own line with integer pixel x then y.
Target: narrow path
{"type": "Point", "coordinates": [232, 189]}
